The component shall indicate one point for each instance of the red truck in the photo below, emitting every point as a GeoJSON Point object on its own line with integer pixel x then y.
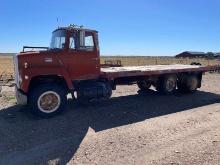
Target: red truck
{"type": "Point", "coordinates": [72, 65]}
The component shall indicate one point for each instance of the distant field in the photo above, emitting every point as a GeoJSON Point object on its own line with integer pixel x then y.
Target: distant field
{"type": "Point", "coordinates": [145, 60]}
{"type": "Point", "coordinates": [6, 63]}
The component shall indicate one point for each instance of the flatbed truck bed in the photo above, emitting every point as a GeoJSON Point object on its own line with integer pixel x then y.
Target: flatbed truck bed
{"type": "Point", "coordinates": [153, 70]}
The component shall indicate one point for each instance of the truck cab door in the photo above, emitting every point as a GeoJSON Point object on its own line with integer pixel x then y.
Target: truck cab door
{"type": "Point", "coordinates": [82, 59]}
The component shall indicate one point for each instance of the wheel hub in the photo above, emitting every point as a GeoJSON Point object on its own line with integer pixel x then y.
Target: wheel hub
{"type": "Point", "coordinates": [171, 84]}
{"type": "Point", "coordinates": [49, 102]}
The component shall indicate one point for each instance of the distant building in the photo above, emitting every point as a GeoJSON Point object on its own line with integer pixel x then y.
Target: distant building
{"type": "Point", "coordinates": [217, 55]}
{"type": "Point", "coordinates": [189, 54]}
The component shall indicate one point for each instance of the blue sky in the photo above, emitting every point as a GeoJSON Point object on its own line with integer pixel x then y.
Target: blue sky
{"type": "Point", "coordinates": [126, 27]}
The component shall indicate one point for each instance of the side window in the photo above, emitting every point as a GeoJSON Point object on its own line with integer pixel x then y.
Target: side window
{"type": "Point", "coordinates": [89, 41]}
{"type": "Point", "coordinates": [86, 41]}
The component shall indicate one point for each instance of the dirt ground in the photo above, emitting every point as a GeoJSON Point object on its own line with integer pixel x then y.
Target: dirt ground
{"type": "Point", "coordinates": [131, 128]}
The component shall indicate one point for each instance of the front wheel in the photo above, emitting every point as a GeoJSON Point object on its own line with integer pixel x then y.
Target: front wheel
{"type": "Point", "coordinates": [47, 100]}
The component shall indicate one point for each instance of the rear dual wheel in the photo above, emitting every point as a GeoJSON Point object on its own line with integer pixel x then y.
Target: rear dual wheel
{"type": "Point", "coordinates": [185, 84]}
{"type": "Point", "coordinates": [188, 84]}
{"type": "Point", "coordinates": [167, 84]}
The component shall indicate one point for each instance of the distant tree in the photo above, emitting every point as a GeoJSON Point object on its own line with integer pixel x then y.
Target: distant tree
{"type": "Point", "coordinates": [210, 54]}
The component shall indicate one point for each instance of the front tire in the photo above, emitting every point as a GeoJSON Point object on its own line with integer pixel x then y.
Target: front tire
{"type": "Point", "coordinates": [47, 100]}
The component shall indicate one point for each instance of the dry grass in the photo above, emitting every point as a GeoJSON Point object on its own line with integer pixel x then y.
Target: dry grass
{"type": "Point", "coordinates": [137, 60]}
{"type": "Point", "coordinates": [6, 64]}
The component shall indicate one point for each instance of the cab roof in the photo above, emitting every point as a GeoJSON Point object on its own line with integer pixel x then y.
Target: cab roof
{"type": "Point", "coordinates": [74, 28]}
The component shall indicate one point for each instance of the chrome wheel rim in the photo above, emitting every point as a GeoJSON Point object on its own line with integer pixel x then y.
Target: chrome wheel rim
{"type": "Point", "coordinates": [49, 102]}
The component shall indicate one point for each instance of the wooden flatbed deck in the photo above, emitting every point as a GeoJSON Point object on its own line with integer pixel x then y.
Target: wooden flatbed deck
{"type": "Point", "coordinates": [151, 70]}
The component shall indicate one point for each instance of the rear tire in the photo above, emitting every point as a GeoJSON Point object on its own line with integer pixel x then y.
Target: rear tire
{"type": "Point", "coordinates": [48, 100]}
{"type": "Point", "coordinates": [188, 84]}
{"type": "Point", "coordinates": [167, 84]}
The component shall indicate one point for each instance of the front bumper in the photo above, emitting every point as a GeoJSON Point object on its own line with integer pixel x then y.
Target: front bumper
{"type": "Point", "coordinates": [21, 97]}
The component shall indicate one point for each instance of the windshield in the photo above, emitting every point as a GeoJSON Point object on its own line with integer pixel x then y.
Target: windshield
{"type": "Point", "coordinates": [58, 40]}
